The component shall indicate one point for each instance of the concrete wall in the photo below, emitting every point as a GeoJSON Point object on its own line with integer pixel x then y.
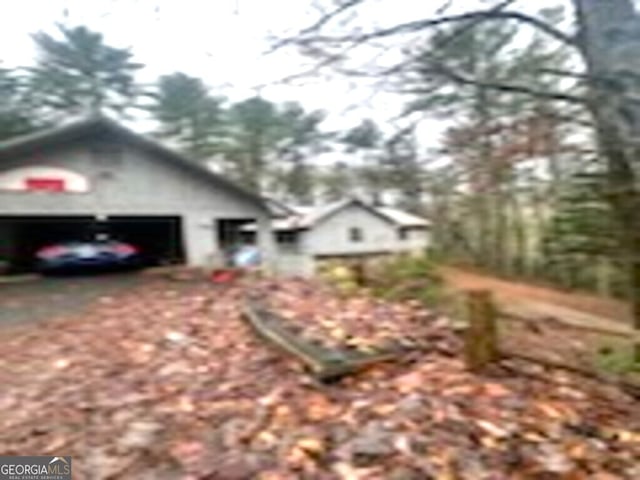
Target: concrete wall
{"type": "Point", "coordinates": [133, 182]}
{"type": "Point", "coordinates": [295, 264]}
{"type": "Point", "coordinates": [418, 239]}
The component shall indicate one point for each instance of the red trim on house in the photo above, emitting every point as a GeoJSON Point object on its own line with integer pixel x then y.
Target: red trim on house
{"type": "Point", "coordinates": [45, 184]}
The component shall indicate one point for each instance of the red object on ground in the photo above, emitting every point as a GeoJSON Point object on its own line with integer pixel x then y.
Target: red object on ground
{"type": "Point", "coordinates": [223, 276]}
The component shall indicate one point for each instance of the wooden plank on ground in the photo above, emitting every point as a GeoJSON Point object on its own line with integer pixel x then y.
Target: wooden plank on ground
{"type": "Point", "coordinates": [324, 363]}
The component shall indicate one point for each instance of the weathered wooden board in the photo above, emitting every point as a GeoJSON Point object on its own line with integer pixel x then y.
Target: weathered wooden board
{"type": "Point", "coordinates": [324, 363]}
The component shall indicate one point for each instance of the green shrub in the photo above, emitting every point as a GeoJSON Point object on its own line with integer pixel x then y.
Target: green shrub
{"type": "Point", "coordinates": [405, 277]}
{"type": "Point", "coordinates": [339, 275]}
{"type": "Point", "coordinates": [617, 359]}
{"type": "Point", "coordinates": [398, 277]}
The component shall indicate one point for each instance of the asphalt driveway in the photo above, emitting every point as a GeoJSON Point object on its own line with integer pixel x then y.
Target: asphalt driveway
{"type": "Point", "coordinates": [46, 298]}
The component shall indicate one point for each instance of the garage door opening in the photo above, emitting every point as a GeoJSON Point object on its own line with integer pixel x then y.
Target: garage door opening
{"type": "Point", "coordinates": [158, 238]}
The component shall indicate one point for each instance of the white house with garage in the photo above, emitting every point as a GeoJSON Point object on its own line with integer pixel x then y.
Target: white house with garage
{"type": "Point", "coordinates": [58, 184]}
{"type": "Point", "coordinates": [350, 228]}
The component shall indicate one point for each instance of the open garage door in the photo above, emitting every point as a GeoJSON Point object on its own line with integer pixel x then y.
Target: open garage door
{"type": "Point", "coordinates": [22, 237]}
{"type": "Point", "coordinates": [158, 238]}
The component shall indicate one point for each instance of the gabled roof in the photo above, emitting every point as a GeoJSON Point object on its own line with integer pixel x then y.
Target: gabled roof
{"type": "Point", "coordinates": [308, 217]}
{"type": "Point", "coordinates": [96, 125]}
{"type": "Point", "coordinates": [279, 209]}
{"type": "Point", "coordinates": [321, 214]}
{"type": "Point", "coordinates": [404, 219]}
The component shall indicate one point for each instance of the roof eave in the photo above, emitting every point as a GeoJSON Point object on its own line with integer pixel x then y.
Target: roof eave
{"type": "Point", "coordinates": [78, 129]}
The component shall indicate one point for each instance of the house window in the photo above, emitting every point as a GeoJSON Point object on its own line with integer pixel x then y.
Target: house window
{"type": "Point", "coordinates": [287, 241]}
{"type": "Point", "coordinates": [403, 234]}
{"type": "Point", "coordinates": [355, 234]}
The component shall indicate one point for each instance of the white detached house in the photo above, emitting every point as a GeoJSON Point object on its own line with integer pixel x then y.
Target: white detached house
{"type": "Point", "coordinates": [348, 228]}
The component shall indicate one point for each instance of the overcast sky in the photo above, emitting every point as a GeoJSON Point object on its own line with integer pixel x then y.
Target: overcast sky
{"type": "Point", "coordinates": [221, 41]}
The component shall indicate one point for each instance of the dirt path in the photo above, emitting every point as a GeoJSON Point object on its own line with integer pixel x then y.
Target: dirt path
{"type": "Point", "coordinates": [574, 307]}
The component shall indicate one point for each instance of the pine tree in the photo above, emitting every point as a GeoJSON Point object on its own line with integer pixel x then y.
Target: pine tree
{"type": "Point", "coordinates": [494, 132]}
{"type": "Point", "coordinates": [337, 182]}
{"type": "Point", "coordinates": [402, 170]}
{"type": "Point", "coordinates": [303, 140]}
{"type": "Point", "coordinates": [270, 144]}
{"type": "Point", "coordinates": [366, 140]}
{"type": "Point", "coordinates": [582, 230]}
{"type": "Point", "coordinates": [189, 115]}
{"type": "Point", "coordinates": [79, 74]}
{"type": "Point", "coordinates": [16, 116]}
{"type": "Point", "coordinates": [254, 131]}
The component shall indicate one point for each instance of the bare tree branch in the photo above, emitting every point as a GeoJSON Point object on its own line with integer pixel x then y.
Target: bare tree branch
{"type": "Point", "coordinates": [565, 73]}
{"type": "Point", "coordinates": [461, 79]}
{"type": "Point", "coordinates": [444, 7]}
{"type": "Point", "coordinates": [503, 87]}
{"type": "Point", "coordinates": [327, 59]}
{"type": "Point", "coordinates": [317, 25]}
{"type": "Point", "coordinates": [473, 19]}
{"type": "Point", "coordinates": [397, 68]}
{"type": "Point", "coordinates": [418, 25]}
{"type": "Point", "coordinates": [468, 26]}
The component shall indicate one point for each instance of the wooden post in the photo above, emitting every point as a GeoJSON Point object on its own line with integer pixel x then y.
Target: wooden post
{"type": "Point", "coordinates": [603, 276]}
{"type": "Point", "coordinates": [481, 337]}
{"type": "Point", "coordinates": [358, 270]}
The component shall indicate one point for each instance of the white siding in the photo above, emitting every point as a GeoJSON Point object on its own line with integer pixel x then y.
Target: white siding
{"type": "Point", "coordinates": [137, 183]}
{"type": "Point", "coordinates": [331, 236]}
{"type": "Point", "coordinates": [295, 264]}
{"type": "Point", "coordinates": [417, 240]}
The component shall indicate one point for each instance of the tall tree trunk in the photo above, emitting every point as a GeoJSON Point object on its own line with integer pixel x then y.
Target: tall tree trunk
{"type": "Point", "coordinates": [519, 229]}
{"type": "Point", "coordinates": [501, 244]}
{"type": "Point", "coordinates": [610, 44]}
{"type": "Point", "coordinates": [488, 202]}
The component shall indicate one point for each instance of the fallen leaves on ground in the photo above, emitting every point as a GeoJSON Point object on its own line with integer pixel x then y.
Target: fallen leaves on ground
{"type": "Point", "coordinates": [165, 381]}
{"type": "Point", "coordinates": [360, 322]}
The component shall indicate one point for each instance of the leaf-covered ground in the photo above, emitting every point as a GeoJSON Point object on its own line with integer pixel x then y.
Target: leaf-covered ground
{"type": "Point", "coordinates": [166, 381]}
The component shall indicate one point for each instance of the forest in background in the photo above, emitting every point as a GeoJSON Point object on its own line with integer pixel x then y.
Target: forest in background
{"type": "Point", "coordinates": [267, 147]}
{"type": "Point", "coordinates": [516, 186]}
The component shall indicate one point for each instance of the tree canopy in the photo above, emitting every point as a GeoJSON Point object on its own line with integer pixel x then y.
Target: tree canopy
{"type": "Point", "coordinates": [189, 114]}
{"type": "Point", "coordinates": [77, 72]}
{"type": "Point", "coordinates": [604, 83]}
{"type": "Point", "coordinates": [15, 117]}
